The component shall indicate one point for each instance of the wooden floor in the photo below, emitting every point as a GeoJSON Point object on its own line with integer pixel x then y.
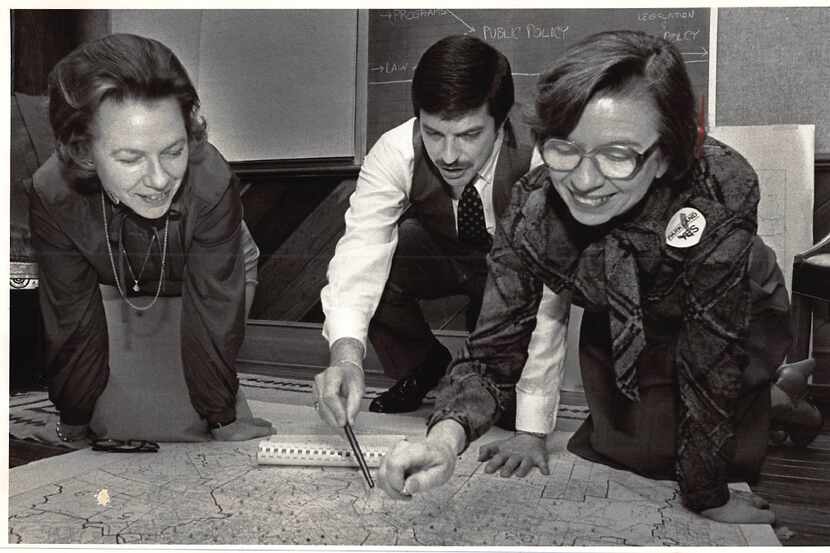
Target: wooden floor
{"type": "Point", "coordinates": [795, 481]}
{"type": "Point", "coordinates": [22, 452]}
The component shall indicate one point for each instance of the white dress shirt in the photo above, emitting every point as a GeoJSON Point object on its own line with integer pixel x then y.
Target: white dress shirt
{"type": "Point", "coordinates": [358, 271]}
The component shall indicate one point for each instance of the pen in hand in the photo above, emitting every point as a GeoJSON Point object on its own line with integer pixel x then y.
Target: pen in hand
{"type": "Point", "coordinates": [358, 455]}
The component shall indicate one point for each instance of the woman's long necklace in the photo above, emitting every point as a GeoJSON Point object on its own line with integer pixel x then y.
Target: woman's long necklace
{"type": "Point", "coordinates": [136, 279]}
{"type": "Point", "coordinates": [112, 260]}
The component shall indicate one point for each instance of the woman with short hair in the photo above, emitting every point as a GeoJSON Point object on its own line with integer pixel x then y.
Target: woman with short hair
{"type": "Point", "coordinates": [651, 230]}
{"type": "Point", "coordinates": [135, 197]}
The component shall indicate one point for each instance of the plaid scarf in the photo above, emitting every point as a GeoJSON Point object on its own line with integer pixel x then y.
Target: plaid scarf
{"type": "Point", "coordinates": [600, 264]}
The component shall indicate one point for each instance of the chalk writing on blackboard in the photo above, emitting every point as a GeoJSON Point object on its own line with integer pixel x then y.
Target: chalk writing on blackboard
{"type": "Point", "coordinates": [532, 39]}
{"type": "Point", "coordinates": [400, 16]}
{"type": "Point", "coordinates": [392, 67]}
{"type": "Point", "coordinates": [529, 31]}
{"type": "Point", "coordinates": [665, 16]}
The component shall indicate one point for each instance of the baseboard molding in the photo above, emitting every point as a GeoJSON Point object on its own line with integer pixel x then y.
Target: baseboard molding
{"type": "Point", "coordinates": [298, 350]}
{"type": "Point", "coordinates": [273, 347]}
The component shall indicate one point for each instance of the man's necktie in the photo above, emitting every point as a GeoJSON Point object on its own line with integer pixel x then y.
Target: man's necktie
{"type": "Point", "coordinates": [471, 227]}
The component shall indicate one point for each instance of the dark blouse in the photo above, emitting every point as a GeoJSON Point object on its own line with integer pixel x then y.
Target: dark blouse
{"type": "Point", "coordinates": [203, 264]}
{"type": "Point", "coordinates": [694, 300]}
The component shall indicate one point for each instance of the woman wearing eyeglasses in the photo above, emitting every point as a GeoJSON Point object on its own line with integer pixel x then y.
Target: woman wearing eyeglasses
{"type": "Point", "coordinates": [135, 197]}
{"type": "Point", "coordinates": [686, 313]}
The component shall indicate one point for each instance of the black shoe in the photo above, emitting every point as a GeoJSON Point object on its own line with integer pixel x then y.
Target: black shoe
{"type": "Point", "coordinates": [404, 397]}
{"type": "Point", "coordinates": [408, 393]}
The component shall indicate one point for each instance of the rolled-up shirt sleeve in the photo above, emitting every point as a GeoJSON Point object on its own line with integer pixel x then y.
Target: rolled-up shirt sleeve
{"type": "Point", "coordinates": [212, 326]}
{"type": "Point", "coordinates": [538, 389]}
{"type": "Point", "coordinates": [75, 327]}
{"type": "Point", "coordinates": [362, 260]}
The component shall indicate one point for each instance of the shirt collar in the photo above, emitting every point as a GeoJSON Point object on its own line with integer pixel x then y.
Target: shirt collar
{"type": "Point", "coordinates": [487, 171]}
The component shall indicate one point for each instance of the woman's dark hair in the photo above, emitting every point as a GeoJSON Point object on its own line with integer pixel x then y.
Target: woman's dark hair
{"type": "Point", "coordinates": [460, 73]}
{"type": "Point", "coordinates": [620, 63]}
{"type": "Point", "coordinates": [116, 67]}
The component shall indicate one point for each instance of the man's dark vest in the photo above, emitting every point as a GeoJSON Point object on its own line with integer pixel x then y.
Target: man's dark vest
{"type": "Point", "coordinates": [430, 200]}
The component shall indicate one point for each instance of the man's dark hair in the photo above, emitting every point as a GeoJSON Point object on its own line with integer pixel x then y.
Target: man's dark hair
{"type": "Point", "coordinates": [461, 73]}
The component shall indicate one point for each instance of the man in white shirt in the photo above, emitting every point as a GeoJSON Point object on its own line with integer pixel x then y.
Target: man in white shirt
{"type": "Point", "coordinates": [411, 234]}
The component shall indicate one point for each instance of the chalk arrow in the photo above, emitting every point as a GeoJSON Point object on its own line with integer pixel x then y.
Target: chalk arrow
{"type": "Point", "coordinates": [469, 28]}
{"type": "Point", "coordinates": [703, 51]}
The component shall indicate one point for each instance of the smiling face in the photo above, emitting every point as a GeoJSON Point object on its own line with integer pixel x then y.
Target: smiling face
{"type": "Point", "coordinates": [459, 147]}
{"type": "Point", "coordinates": [140, 152]}
{"type": "Point", "coordinates": [592, 198]}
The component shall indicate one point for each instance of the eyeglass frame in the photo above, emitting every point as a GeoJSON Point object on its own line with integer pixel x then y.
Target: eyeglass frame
{"type": "Point", "coordinates": [640, 158]}
{"type": "Point", "coordinates": [110, 445]}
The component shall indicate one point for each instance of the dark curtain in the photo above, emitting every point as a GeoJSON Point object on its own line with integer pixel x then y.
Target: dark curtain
{"type": "Point", "coordinates": [40, 38]}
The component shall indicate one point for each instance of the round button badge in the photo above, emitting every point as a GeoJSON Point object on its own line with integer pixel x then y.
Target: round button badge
{"type": "Point", "coordinates": [685, 228]}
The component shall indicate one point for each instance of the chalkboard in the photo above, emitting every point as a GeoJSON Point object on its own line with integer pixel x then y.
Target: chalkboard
{"type": "Point", "coordinates": [774, 68]}
{"type": "Point", "coordinates": [530, 38]}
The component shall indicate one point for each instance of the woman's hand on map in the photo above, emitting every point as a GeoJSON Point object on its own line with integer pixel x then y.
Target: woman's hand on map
{"type": "Point", "coordinates": [742, 508]}
{"type": "Point", "coordinates": [412, 467]}
{"type": "Point", "coordinates": [516, 455]}
{"type": "Point", "coordinates": [243, 428]}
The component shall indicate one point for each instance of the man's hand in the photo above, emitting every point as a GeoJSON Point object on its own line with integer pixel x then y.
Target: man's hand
{"type": "Point", "coordinates": [518, 455]}
{"type": "Point", "coordinates": [413, 467]}
{"type": "Point", "coordinates": [338, 391]}
{"type": "Point", "coordinates": [742, 508]}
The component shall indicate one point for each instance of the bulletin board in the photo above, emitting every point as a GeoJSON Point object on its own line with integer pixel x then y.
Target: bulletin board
{"type": "Point", "coordinates": [773, 67]}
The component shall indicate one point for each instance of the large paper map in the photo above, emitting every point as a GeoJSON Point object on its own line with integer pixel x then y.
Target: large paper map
{"type": "Point", "coordinates": [215, 493]}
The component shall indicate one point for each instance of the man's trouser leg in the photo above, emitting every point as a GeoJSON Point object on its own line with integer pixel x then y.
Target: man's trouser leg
{"type": "Point", "coordinates": [425, 266]}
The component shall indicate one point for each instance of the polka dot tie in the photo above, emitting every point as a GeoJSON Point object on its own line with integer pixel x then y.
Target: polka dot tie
{"type": "Point", "coordinates": [471, 227]}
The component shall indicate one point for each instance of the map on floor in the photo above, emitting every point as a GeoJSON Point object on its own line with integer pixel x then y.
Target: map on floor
{"type": "Point", "coordinates": [216, 493]}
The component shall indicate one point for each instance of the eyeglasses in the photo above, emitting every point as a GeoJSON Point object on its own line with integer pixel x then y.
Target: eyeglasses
{"type": "Point", "coordinates": [613, 161]}
{"type": "Point", "coordinates": [124, 446]}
